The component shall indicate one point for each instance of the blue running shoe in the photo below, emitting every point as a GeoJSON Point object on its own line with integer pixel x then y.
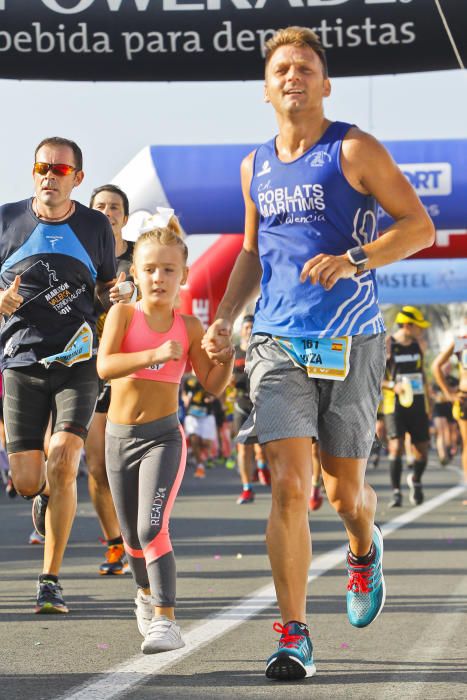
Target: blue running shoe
{"type": "Point", "coordinates": [49, 598]}
{"type": "Point", "coordinates": [366, 591]}
{"type": "Point", "coordinates": [294, 658]}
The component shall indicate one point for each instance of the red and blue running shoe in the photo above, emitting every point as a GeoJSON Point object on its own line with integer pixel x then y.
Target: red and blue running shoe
{"type": "Point", "coordinates": [366, 590]}
{"type": "Point", "coordinates": [294, 658]}
{"type": "Point", "coordinates": [246, 496]}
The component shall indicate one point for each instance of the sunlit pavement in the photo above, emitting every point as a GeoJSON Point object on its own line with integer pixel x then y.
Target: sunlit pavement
{"type": "Point", "coordinates": [415, 649]}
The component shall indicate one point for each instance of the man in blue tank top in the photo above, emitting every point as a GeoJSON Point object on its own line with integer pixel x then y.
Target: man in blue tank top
{"type": "Point", "coordinates": [317, 355]}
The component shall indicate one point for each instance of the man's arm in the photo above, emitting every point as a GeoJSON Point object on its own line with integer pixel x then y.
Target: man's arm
{"type": "Point", "coordinates": [374, 172]}
{"type": "Point", "coordinates": [369, 168]}
{"type": "Point", "coordinates": [245, 277]}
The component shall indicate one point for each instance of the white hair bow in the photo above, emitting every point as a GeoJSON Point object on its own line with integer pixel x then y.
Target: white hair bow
{"type": "Point", "coordinates": [158, 220]}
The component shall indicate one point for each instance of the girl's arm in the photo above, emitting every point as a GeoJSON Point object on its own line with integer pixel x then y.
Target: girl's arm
{"type": "Point", "coordinates": [113, 364]}
{"type": "Point", "coordinates": [440, 379]}
{"type": "Point", "coordinates": [214, 376]}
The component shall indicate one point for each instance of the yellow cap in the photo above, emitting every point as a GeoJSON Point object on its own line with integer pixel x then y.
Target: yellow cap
{"type": "Point", "coordinates": [410, 314]}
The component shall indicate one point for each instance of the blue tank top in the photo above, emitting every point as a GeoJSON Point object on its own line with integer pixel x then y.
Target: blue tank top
{"type": "Point", "coordinates": [308, 207]}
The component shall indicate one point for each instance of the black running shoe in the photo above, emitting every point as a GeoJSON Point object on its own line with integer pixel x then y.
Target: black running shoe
{"type": "Point", "coordinates": [396, 500]}
{"type": "Point", "coordinates": [49, 598]}
{"type": "Point", "coordinates": [416, 492]}
{"type": "Point", "coordinates": [39, 506]}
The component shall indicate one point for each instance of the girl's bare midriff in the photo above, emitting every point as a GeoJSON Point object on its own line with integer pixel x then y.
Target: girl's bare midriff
{"type": "Point", "coordinates": [136, 401]}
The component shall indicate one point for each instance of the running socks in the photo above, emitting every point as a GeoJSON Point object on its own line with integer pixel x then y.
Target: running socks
{"type": "Point", "coordinates": [116, 540]}
{"type": "Point", "coordinates": [48, 577]}
{"type": "Point", "coordinates": [395, 469]}
{"type": "Point", "coordinates": [419, 467]}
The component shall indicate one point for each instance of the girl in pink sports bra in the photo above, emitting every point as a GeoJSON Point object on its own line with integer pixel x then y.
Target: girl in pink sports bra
{"type": "Point", "coordinates": [144, 350]}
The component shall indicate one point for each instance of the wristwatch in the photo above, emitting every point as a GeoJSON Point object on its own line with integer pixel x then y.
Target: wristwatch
{"type": "Point", "coordinates": [357, 257]}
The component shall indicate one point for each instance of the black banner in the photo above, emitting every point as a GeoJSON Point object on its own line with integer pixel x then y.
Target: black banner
{"type": "Point", "coordinates": [165, 40]}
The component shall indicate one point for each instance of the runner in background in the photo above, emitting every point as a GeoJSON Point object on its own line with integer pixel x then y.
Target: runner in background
{"type": "Point", "coordinates": [220, 449]}
{"type": "Point", "coordinates": [200, 423]}
{"type": "Point", "coordinates": [316, 498]}
{"type": "Point", "coordinates": [457, 397]}
{"type": "Point", "coordinates": [113, 203]}
{"type": "Point", "coordinates": [405, 403]}
{"type": "Point", "coordinates": [229, 410]}
{"type": "Point", "coordinates": [380, 442]}
{"type": "Point", "coordinates": [443, 420]}
{"type": "Point", "coordinates": [246, 454]}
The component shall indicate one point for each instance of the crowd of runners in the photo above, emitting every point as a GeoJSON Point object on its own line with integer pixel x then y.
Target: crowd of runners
{"type": "Point", "coordinates": [94, 356]}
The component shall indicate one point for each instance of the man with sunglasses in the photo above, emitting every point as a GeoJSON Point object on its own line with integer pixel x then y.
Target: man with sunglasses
{"type": "Point", "coordinates": [54, 254]}
{"type": "Point", "coordinates": [405, 405]}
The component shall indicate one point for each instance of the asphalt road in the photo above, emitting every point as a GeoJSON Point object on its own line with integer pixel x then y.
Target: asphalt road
{"type": "Point", "coordinates": [417, 648]}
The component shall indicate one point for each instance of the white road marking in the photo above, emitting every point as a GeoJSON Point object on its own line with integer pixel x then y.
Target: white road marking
{"type": "Point", "coordinates": [121, 678]}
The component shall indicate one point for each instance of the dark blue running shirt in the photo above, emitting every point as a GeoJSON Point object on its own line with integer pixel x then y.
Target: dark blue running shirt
{"type": "Point", "coordinates": [59, 264]}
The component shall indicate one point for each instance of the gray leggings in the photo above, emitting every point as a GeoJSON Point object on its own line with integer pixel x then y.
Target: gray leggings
{"type": "Point", "coordinates": [145, 466]}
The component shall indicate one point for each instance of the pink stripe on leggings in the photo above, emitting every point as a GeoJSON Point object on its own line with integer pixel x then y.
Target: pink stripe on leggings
{"type": "Point", "coordinates": [161, 544]}
{"type": "Point", "coordinates": [136, 553]}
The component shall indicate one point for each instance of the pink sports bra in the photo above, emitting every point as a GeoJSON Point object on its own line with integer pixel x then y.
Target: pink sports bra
{"type": "Point", "coordinates": [140, 337]}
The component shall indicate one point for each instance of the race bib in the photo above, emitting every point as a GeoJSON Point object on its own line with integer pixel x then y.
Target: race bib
{"type": "Point", "coordinates": [198, 411]}
{"type": "Point", "coordinates": [415, 379]}
{"type": "Point", "coordinates": [321, 358]}
{"type": "Point", "coordinates": [78, 349]}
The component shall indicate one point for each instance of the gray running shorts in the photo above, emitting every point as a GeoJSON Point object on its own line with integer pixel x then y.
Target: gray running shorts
{"type": "Point", "coordinates": [287, 404]}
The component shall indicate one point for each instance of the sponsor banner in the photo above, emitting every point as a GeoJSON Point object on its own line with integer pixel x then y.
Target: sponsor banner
{"type": "Point", "coordinates": [423, 282]}
{"type": "Point", "coordinates": [438, 172]}
{"type": "Point", "coordinates": [220, 39]}
{"type": "Point", "coordinates": [202, 184]}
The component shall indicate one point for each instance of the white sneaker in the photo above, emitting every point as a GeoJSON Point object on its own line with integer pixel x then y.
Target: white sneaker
{"type": "Point", "coordinates": [163, 635]}
{"type": "Point", "coordinates": [144, 611]}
